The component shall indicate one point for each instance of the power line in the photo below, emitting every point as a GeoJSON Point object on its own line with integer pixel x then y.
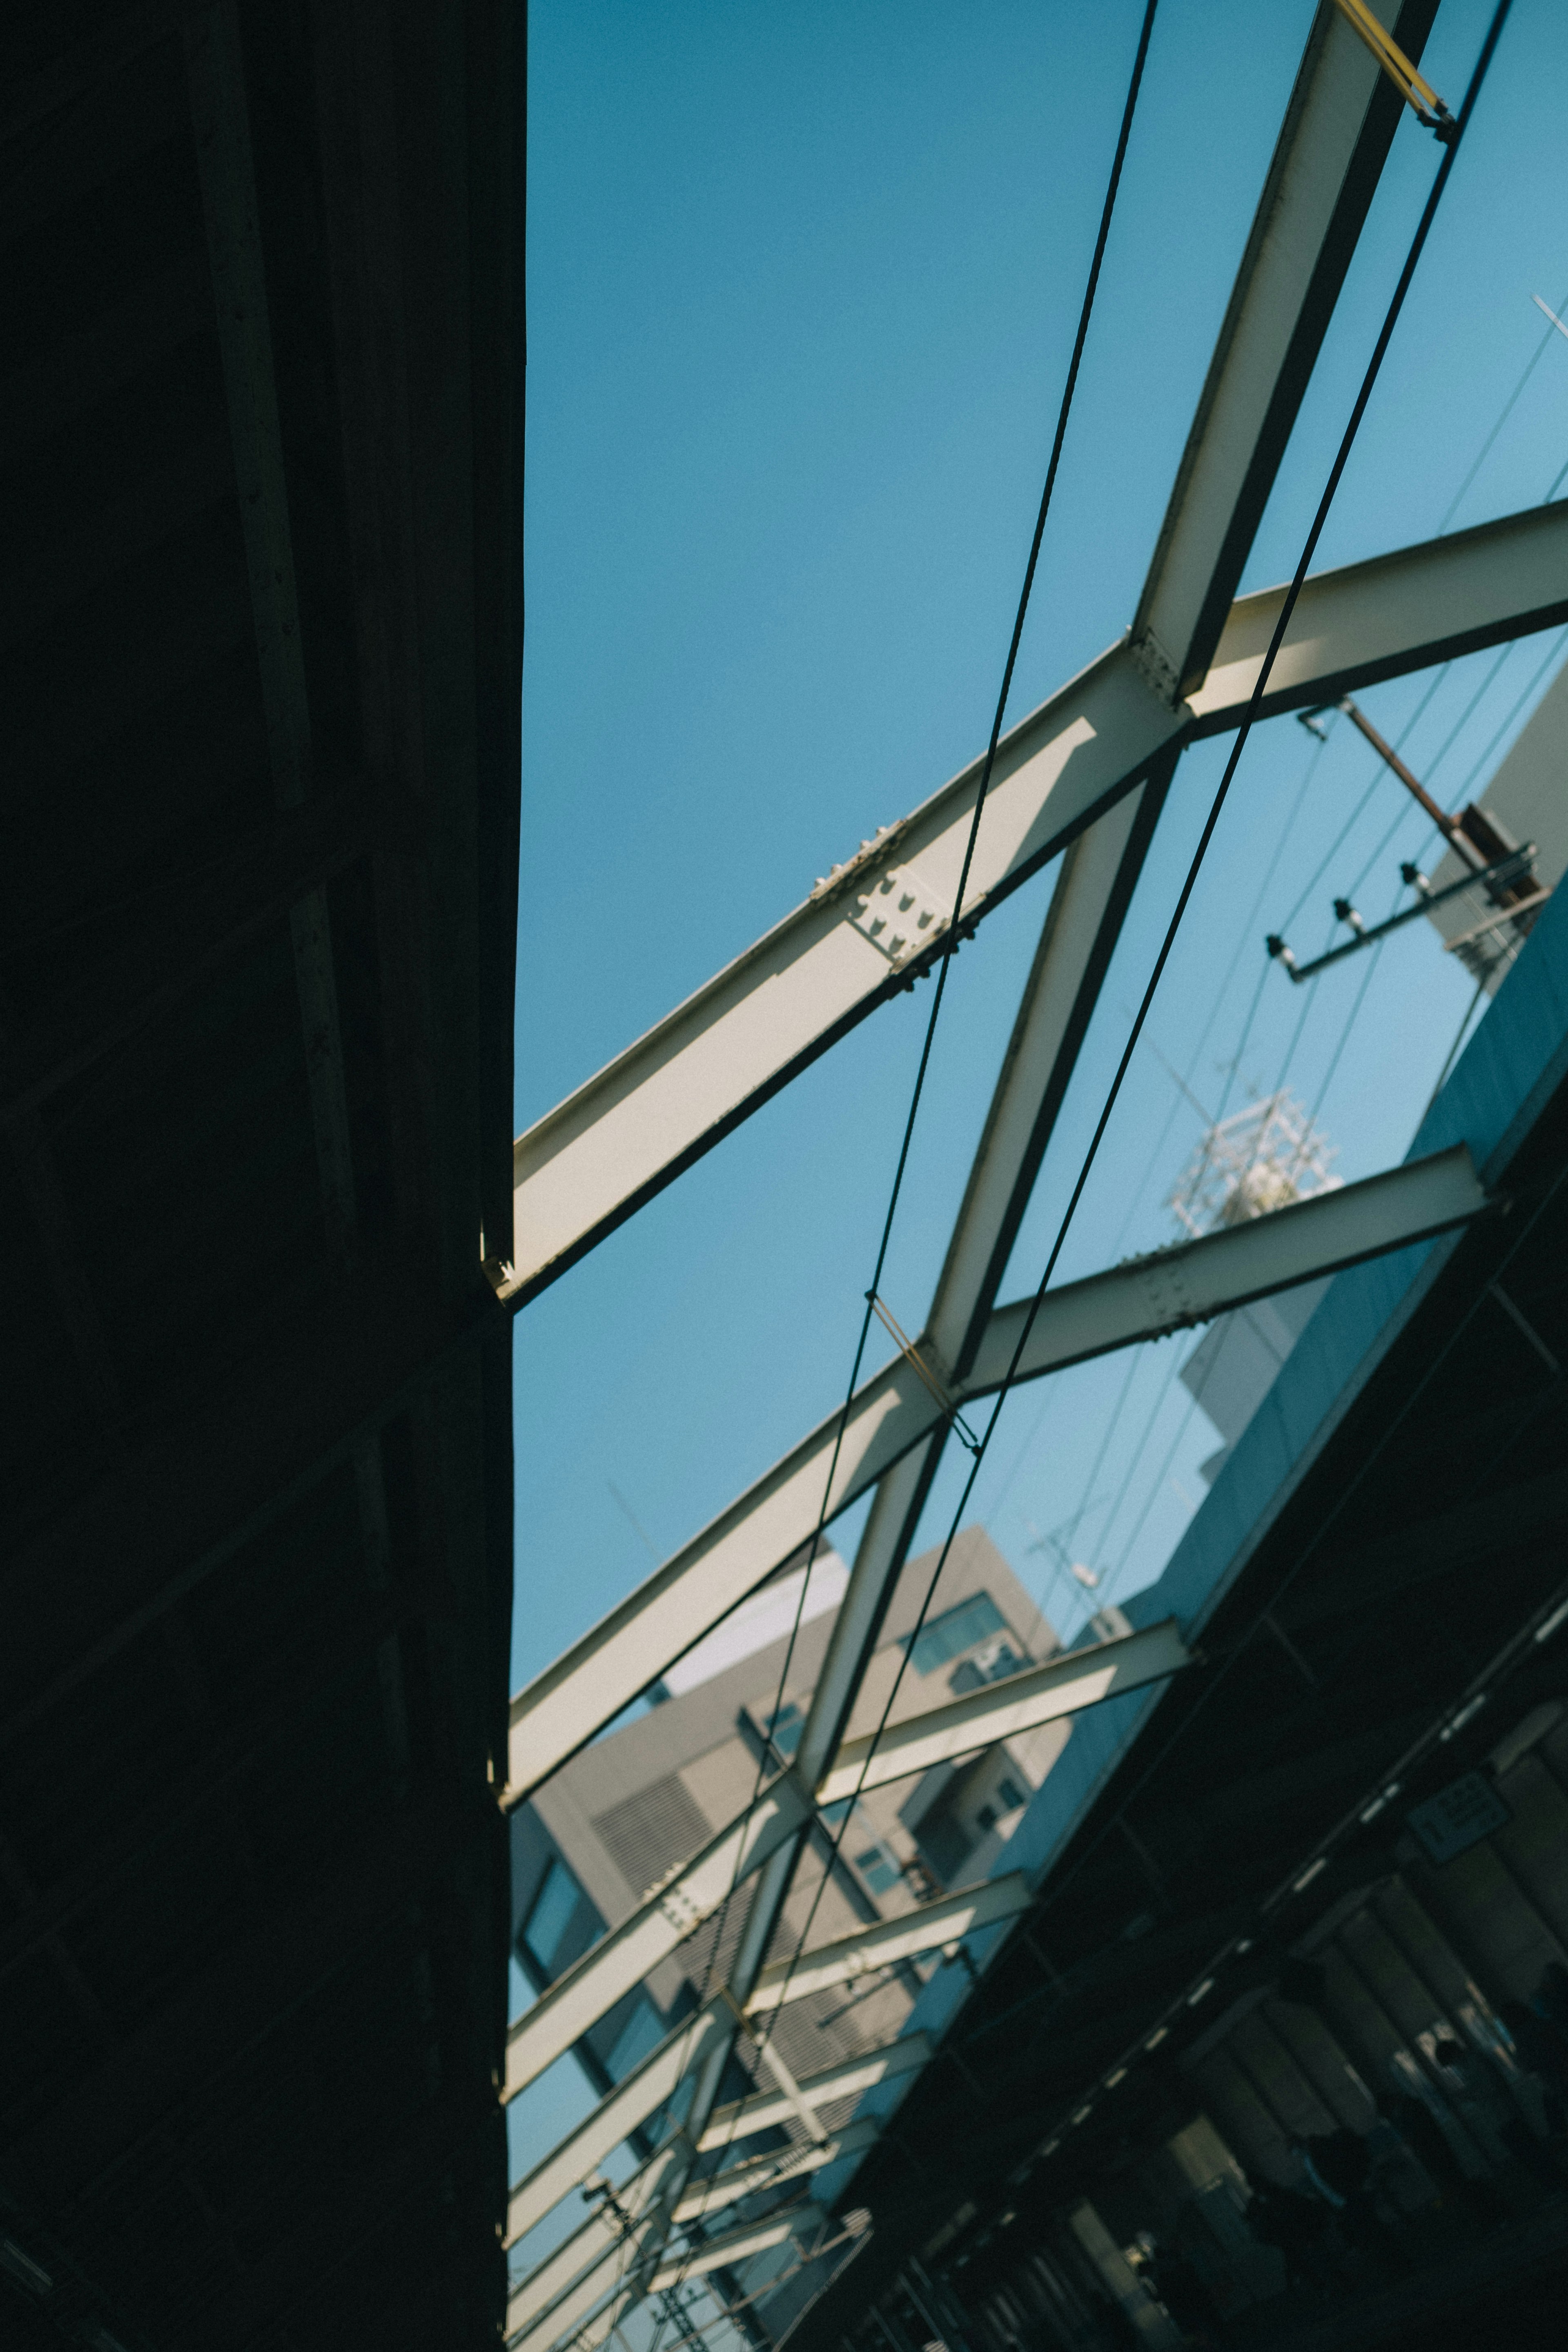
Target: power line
{"type": "Point", "coordinates": [949, 944]}
{"type": "Point", "coordinates": [1250, 719]}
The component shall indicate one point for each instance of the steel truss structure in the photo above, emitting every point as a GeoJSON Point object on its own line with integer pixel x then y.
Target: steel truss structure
{"type": "Point", "coordinates": [1081, 780]}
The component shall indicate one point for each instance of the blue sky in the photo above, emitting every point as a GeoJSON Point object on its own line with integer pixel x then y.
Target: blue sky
{"type": "Point", "coordinates": [801, 284]}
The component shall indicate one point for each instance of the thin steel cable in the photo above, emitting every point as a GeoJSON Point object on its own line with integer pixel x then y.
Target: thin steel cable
{"type": "Point", "coordinates": [1158, 1485]}
{"type": "Point", "coordinates": [1222, 993]}
{"type": "Point", "coordinates": [1516, 708]}
{"type": "Point", "coordinates": [1336, 471]}
{"type": "Point", "coordinates": [1054, 1572]}
{"type": "Point", "coordinates": [951, 936]}
{"type": "Point", "coordinates": [1508, 408]}
{"type": "Point", "coordinates": [1453, 1052]}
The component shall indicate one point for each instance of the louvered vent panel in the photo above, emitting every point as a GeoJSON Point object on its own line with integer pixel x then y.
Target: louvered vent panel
{"type": "Point", "coordinates": [648, 1834]}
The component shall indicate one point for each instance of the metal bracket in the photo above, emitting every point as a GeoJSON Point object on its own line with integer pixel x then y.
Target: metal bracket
{"type": "Point", "coordinates": [899, 914]}
{"type": "Point", "coordinates": [833, 882]}
{"type": "Point", "coordinates": [1155, 668]}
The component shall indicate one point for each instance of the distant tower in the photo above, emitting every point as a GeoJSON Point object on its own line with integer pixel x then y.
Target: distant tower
{"type": "Point", "coordinates": [1259, 1159]}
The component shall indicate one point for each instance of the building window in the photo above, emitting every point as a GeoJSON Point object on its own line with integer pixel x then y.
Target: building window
{"type": "Point", "coordinates": [1011, 1796]}
{"type": "Point", "coordinates": [956, 1629]}
{"type": "Point", "coordinates": [990, 1664]}
{"type": "Point", "coordinates": [877, 1868]}
{"type": "Point", "coordinates": [785, 1727]}
{"type": "Point", "coordinates": [986, 1818]}
{"type": "Point", "coordinates": [550, 1917]}
{"type": "Point", "coordinates": [642, 2031]}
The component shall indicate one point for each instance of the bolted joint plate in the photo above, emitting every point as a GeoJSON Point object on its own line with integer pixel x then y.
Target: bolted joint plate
{"type": "Point", "coordinates": [898, 913]}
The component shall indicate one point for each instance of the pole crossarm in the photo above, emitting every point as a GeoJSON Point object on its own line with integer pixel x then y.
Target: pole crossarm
{"type": "Point", "coordinates": [1146, 1299]}
{"type": "Point", "coordinates": [878, 1947]}
{"type": "Point", "coordinates": [905, 2056]}
{"type": "Point", "coordinates": [1007, 1709]}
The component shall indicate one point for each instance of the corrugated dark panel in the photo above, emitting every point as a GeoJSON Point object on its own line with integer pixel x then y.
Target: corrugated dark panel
{"type": "Point", "coordinates": [647, 1835]}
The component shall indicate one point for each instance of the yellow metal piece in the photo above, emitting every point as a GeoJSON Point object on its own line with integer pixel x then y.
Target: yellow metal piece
{"type": "Point", "coordinates": [1416, 92]}
{"type": "Point", "coordinates": [906, 1348]}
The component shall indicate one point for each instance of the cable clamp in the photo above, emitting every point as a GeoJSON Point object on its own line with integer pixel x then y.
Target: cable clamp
{"type": "Point", "coordinates": [923, 1371]}
{"type": "Point", "coordinates": [1418, 93]}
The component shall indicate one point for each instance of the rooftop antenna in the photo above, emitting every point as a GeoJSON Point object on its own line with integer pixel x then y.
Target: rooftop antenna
{"type": "Point", "coordinates": [1259, 1159]}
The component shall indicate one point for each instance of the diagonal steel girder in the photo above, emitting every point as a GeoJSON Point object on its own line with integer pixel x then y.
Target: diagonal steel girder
{"type": "Point", "coordinates": [1171, 1290]}
{"type": "Point", "coordinates": [680, 1089]}
{"type": "Point", "coordinates": [669, 1098]}
{"type": "Point", "coordinates": [895, 1412]}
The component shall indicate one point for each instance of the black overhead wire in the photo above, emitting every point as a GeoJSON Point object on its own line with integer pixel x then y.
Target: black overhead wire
{"type": "Point", "coordinates": [950, 938]}
{"type": "Point", "coordinates": [1250, 719]}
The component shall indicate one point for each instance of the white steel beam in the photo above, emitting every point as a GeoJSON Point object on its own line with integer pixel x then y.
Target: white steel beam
{"type": "Point", "coordinates": [884, 1538]}
{"type": "Point", "coordinates": [597, 2242]}
{"type": "Point", "coordinates": [1336, 133]}
{"type": "Point", "coordinates": [591, 1161]}
{"type": "Point", "coordinates": [1099, 873]}
{"type": "Point", "coordinates": [877, 1946]}
{"type": "Point", "coordinates": [717, 1058]}
{"type": "Point", "coordinates": [524, 2320]}
{"type": "Point", "coordinates": [771, 2170]}
{"type": "Point", "coordinates": [852, 945]}
{"type": "Point", "coordinates": [621, 1960]}
{"type": "Point", "coordinates": [841, 2081]}
{"type": "Point", "coordinates": [1083, 922]}
{"type": "Point", "coordinates": [589, 1684]}
{"type": "Point", "coordinates": [1005, 1709]}
{"type": "Point", "coordinates": [647, 2088]}
{"type": "Point", "coordinates": [1168, 1291]}
{"type": "Point", "coordinates": [1392, 614]}
{"type": "Point", "coordinates": [735, 2246]}
{"type": "Point", "coordinates": [594, 1160]}
{"type": "Point", "coordinates": [1172, 1290]}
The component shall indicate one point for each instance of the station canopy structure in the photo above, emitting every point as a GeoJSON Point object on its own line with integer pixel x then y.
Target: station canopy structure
{"type": "Point", "coordinates": [1081, 782]}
